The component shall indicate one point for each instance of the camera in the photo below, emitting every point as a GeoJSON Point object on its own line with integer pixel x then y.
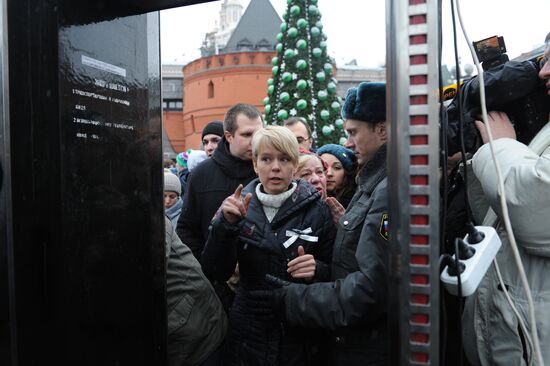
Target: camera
{"type": "Point", "coordinates": [512, 87]}
{"type": "Point", "coordinates": [491, 52]}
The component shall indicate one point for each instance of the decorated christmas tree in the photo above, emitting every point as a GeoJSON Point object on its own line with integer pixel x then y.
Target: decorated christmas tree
{"type": "Point", "coordinates": [303, 84]}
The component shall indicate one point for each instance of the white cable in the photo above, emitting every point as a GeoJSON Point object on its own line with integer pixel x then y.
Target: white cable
{"type": "Point", "coordinates": [505, 215]}
{"type": "Point", "coordinates": [513, 306]}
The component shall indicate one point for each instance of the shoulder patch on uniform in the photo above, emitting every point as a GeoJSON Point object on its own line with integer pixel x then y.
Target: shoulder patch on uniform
{"type": "Point", "coordinates": [385, 226]}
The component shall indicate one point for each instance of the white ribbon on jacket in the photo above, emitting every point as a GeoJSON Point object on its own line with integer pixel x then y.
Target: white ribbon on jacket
{"type": "Point", "coordinates": [294, 234]}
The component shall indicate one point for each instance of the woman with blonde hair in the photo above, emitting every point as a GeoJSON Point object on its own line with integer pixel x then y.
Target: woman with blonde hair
{"type": "Point", "coordinates": [313, 170]}
{"type": "Point", "coordinates": [275, 225]}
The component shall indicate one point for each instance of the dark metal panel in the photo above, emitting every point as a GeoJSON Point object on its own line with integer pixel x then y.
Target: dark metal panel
{"type": "Point", "coordinates": [88, 223]}
{"type": "Point", "coordinates": [94, 10]}
{"type": "Point", "coordinates": [111, 209]}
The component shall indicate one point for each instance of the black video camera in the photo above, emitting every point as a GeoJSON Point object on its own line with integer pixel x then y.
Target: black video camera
{"type": "Point", "coordinates": [512, 87]}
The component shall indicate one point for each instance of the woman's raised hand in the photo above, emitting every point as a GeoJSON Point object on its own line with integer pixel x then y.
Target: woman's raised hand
{"type": "Point", "coordinates": [336, 209]}
{"type": "Point", "coordinates": [234, 207]}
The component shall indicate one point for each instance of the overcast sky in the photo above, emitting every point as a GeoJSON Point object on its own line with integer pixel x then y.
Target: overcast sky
{"type": "Point", "coordinates": [356, 28]}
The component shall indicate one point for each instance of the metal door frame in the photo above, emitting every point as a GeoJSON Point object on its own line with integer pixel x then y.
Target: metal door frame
{"type": "Point", "coordinates": [412, 60]}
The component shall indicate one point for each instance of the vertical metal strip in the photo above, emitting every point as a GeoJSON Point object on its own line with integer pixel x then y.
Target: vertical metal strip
{"type": "Point", "coordinates": [6, 232]}
{"type": "Point", "coordinates": [413, 166]}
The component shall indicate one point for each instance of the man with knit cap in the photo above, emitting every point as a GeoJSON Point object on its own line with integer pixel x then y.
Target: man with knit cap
{"type": "Point", "coordinates": [172, 197]}
{"type": "Point", "coordinates": [217, 178]}
{"type": "Point", "coordinates": [211, 136]}
{"type": "Point", "coordinates": [354, 306]}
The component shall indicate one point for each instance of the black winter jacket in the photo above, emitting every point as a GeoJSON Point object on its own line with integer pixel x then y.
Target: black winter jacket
{"type": "Point", "coordinates": [354, 305]}
{"type": "Point", "coordinates": [258, 247]}
{"type": "Point", "coordinates": [208, 185]}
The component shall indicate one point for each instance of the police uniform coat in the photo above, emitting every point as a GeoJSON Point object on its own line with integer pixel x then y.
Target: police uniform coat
{"type": "Point", "coordinates": [257, 244]}
{"type": "Point", "coordinates": [354, 306]}
{"type": "Point", "coordinates": [492, 332]}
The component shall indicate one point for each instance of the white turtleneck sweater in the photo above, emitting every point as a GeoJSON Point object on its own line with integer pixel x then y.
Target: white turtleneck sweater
{"type": "Point", "coordinates": [272, 202]}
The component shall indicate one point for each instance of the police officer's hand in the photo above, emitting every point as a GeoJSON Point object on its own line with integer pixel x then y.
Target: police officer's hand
{"type": "Point", "coordinates": [234, 207]}
{"type": "Point", "coordinates": [501, 126]}
{"type": "Point", "coordinates": [268, 304]}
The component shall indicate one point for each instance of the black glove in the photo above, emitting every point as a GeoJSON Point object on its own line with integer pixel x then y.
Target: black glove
{"type": "Point", "coordinates": [276, 282]}
{"type": "Point", "coordinates": [268, 304]}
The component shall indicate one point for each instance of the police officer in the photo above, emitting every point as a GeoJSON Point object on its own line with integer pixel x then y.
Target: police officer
{"type": "Point", "coordinates": [354, 306]}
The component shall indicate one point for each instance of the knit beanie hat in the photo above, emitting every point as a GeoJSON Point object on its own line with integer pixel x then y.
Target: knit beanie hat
{"type": "Point", "coordinates": [366, 103]}
{"type": "Point", "coordinates": [172, 183]}
{"type": "Point", "coordinates": [346, 156]}
{"type": "Point", "coordinates": [195, 158]}
{"type": "Point", "coordinates": [213, 128]}
{"type": "Point", "coordinates": [181, 159]}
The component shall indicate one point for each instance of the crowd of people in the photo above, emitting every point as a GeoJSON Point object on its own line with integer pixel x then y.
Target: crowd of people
{"type": "Point", "coordinates": [277, 250]}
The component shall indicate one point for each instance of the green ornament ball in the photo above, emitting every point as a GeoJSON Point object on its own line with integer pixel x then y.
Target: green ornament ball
{"type": "Point", "coordinates": [320, 76]}
{"type": "Point", "coordinates": [289, 54]}
{"type": "Point", "coordinates": [282, 114]}
{"type": "Point", "coordinates": [285, 16]}
{"type": "Point", "coordinates": [287, 77]}
{"type": "Point", "coordinates": [270, 89]}
{"type": "Point", "coordinates": [301, 104]}
{"type": "Point", "coordinates": [270, 81]}
{"type": "Point", "coordinates": [322, 95]}
{"type": "Point", "coordinates": [301, 64]}
{"type": "Point", "coordinates": [327, 131]}
{"type": "Point", "coordinates": [315, 32]}
{"type": "Point", "coordinates": [301, 84]}
{"type": "Point", "coordinates": [301, 23]}
{"type": "Point", "coordinates": [319, 24]}
{"type": "Point", "coordinates": [275, 61]}
{"type": "Point", "coordinates": [301, 44]}
{"type": "Point", "coordinates": [292, 32]}
{"type": "Point", "coordinates": [267, 109]}
{"type": "Point", "coordinates": [335, 106]}
{"type": "Point", "coordinates": [313, 1]}
{"type": "Point", "coordinates": [266, 100]}
{"type": "Point", "coordinates": [324, 36]}
{"type": "Point", "coordinates": [295, 10]}
{"type": "Point", "coordinates": [275, 70]}
{"type": "Point", "coordinates": [279, 47]}
{"type": "Point", "coordinates": [279, 37]}
{"type": "Point", "coordinates": [283, 27]}
{"type": "Point", "coordinates": [284, 97]}
{"type": "Point", "coordinates": [323, 45]}
{"type": "Point", "coordinates": [317, 52]}
{"type": "Point", "coordinates": [328, 68]}
{"type": "Point", "coordinates": [331, 87]}
{"type": "Point", "coordinates": [339, 123]}
{"type": "Point", "coordinates": [289, 2]}
{"type": "Point", "coordinates": [312, 10]}
{"type": "Point", "coordinates": [325, 115]}
{"type": "Point", "coordinates": [343, 140]}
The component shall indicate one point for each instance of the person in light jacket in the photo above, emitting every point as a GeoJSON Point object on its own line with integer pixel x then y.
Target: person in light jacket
{"type": "Point", "coordinates": [493, 334]}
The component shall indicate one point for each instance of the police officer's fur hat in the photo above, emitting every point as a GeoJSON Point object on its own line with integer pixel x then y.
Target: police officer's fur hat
{"type": "Point", "coordinates": [366, 103]}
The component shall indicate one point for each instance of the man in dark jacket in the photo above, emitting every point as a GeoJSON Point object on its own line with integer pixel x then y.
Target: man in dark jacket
{"type": "Point", "coordinates": [218, 177]}
{"type": "Point", "coordinates": [196, 320]}
{"type": "Point", "coordinates": [354, 306]}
